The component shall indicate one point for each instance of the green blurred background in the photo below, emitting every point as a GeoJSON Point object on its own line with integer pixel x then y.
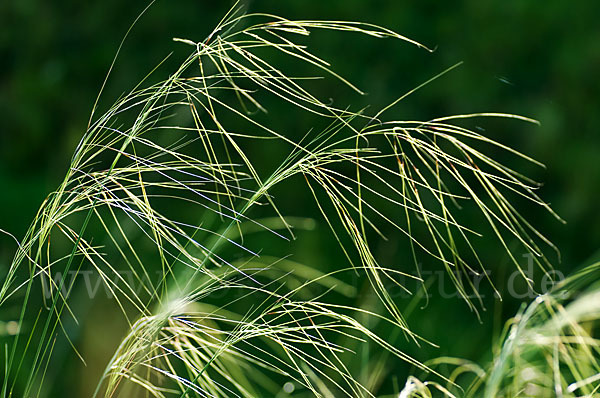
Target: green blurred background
{"type": "Point", "coordinates": [538, 59]}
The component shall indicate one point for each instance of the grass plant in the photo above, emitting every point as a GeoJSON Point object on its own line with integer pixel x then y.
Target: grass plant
{"type": "Point", "coordinates": [163, 201]}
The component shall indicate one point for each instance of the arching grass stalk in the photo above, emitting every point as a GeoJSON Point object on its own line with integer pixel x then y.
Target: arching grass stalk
{"type": "Point", "coordinates": [549, 349]}
{"type": "Point", "coordinates": [164, 181]}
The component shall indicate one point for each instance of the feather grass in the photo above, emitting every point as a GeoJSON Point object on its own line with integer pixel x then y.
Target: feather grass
{"type": "Point", "coordinates": [169, 145]}
{"type": "Point", "coordinates": [549, 349]}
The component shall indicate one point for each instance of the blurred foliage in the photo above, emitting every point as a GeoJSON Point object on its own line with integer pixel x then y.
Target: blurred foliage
{"type": "Point", "coordinates": [531, 58]}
